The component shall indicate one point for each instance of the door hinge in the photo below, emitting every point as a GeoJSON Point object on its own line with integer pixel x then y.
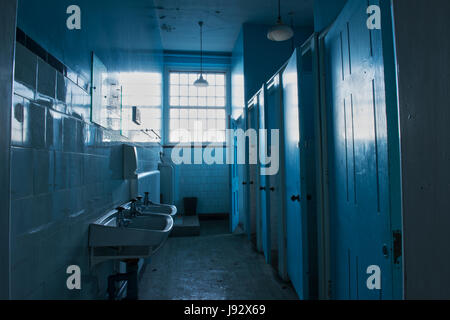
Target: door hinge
{"type": "Point", "coordinates": [330, 293]}
{"type": "Point", "coordinates": [397, 235]}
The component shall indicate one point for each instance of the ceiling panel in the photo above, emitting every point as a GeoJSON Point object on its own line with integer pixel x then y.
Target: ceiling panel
{"type": "Point", "coordinates": [178, 20]}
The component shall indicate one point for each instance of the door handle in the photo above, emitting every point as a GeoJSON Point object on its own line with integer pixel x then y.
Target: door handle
{"type": "Point", "coordinates": [272, 189]}
{"type": "Point", "coordinates": [244, 183]}
{"type": "Point", "coordinates": [251, 182]}
{"type": "Point", "coordinates": [295, 198]}
{"type": "Point", "coordinates": [262, 188]}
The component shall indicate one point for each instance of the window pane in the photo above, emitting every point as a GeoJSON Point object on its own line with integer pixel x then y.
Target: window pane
{"type": "Point", "coordinates": [202, 113]}
{"type": "Point", "coordinates": [202, 102]}
{"type": "Point", "coordinates": [175, 136]}
{"type": "Point", "coordinates": [220, 136]}
{"type": "Point", "coordinates": [184, 124]}
{"type": "Point", "coordinates": [211, 114]}
{"type": "Point", "coordinates": [211, 91]}
{"type": "Point", "coordinates": [192, 78]}
{"type": "Point", "coordinates": [211, 102]}
{"type": "Point", "coordinates": [184, 101]}
{"type": "Point", "coordinates": [192, 91]}
{"type": "Point", "coordinates": [204, 120]}
{"type": "Point", "coordinates": [184, 78]}
{"type": "Point", "coordinates": [220, 79]}
{"type": "Point", "coordinates": [211, 79]}
{"type": "Point", "coordinates": [174, 113]}
{"type": "Point", "coordinates": [221, 124]}
{"type": "Point", "coordinates": [192, 113]}
{"type": "Point", "coordinates": [184, 91]}
{"type": "Point", "coordinates": [193, 101]}
{"type": "Point", "coordinates": [174, 124]}
{"type": "Point", "coordinates": [202, 92]}
{"type": "Point", "coordinates": [184, 113]}
{"type": "Point", "coordinates": [220, 102]}
{"type": "Point", "coordinates": [174, 78]}
{"type": "Point", "coordinates": [212, 124]}
{"type": "Point", "coordinates": [155, 101]}
{"type": "Point", "coordinates": [220, 91]}
{"type": "Point", "coordinates": [220, 114]}
{"type": "Point", "coordinates": [174, 101]}
{"type": "Point", "coordinates": [174, 90]}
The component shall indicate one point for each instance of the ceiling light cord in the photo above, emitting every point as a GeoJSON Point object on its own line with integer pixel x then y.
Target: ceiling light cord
{"type": "Point", "coordinates": [201, 82]}
{"type": "Point", "coordinates": [279, 10]}
{"type": "Point", "coordinates": [201, 47]}
{"type": "Point", "coordinates": [280, 32]}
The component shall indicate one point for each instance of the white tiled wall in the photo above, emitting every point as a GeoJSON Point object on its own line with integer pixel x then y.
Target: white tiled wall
{"type": "Point", "coordinates": [64, 175]}
{"type": "Point", "coordinates": [209, 183]}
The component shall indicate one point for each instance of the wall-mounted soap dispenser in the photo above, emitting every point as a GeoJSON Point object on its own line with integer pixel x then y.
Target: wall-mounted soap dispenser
{"type": "Point", "coordinates": [130, 162]}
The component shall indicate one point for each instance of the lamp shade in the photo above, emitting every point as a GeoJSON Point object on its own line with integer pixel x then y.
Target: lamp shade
{"type": "Point", "coordinates": [280, 32]}
{"type": "Point", "coordinates": [201, 82]}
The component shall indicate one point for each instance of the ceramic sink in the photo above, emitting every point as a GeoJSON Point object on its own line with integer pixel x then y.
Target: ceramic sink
{"type": "Point", "coordinates": [158, 208]}
{"type": "Point", "coordinates": [140, 238]}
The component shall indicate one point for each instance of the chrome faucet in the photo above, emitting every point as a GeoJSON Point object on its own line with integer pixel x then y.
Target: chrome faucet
{"type": "Point", "coordinates": [122, 222]}
{"type": "Point", "coordinates": [146, 199]}
{"type": "Point", "coordinates": [133, 209]}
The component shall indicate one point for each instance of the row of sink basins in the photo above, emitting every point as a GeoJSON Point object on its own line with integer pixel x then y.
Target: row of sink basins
{"type": "Point", "coordinates": [140, 237]}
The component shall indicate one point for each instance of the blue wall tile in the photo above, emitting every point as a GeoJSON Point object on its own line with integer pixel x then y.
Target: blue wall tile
{"type": "Point", "coordinates": [54, 130]}
{"type": "Point", "coordinates": [43, 171]}
{"type": "Point", "coordinates": [21, 173]}
{"type": "Point", "coordinates": [26, 64]}
{"type": "Point", "coordinates": [36, 126]}
{"type": "Point", "coordinates": [46, 83]}
{"type": "Point", "coordinates": [67, 171]}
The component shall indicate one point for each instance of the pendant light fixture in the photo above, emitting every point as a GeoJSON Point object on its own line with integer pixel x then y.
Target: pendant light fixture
{"type": "Point", "coordinates": [280, 31]}
{"type": "Point", "coordinates": [201, 81]}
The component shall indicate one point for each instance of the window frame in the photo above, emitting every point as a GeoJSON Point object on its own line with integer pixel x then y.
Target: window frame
{"type": "Point", "coordinates": [166, 112]}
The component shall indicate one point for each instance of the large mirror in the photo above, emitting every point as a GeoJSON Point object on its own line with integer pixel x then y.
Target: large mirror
{"type": "Point", "coordinates": [106, 97]}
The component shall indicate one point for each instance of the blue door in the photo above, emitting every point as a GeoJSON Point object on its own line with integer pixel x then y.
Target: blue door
{"type": "Point", "coordinates": [296, 220]}
{"type": "Point", "coordinates": [263, 209]}
{"type": "Point", "coordinates": [358, 156]}
{"type": "Point", "coordinates": [276, 182]}
{"type": "Point", "coordinates": [234, 182]}
{"type": "Point", "coordinates": [252, 173]}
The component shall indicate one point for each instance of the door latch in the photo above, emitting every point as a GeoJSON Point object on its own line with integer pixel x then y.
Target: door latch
{"type": "Point", "coordinates": [397, 235]}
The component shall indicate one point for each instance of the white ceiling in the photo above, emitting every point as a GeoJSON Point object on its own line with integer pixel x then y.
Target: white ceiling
{"type": "Point", "coordinates": [178, 20]}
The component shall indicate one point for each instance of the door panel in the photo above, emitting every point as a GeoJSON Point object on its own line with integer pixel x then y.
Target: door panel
{"type": "Point", "coordinates": [234, 183]}
{"type": "Point", "coordinates": [253, 193]}
{"type": "Point", "coordinates": [275, 182]}
{"type": "Point", "coordinates": [296, 222]}
{"type": "Point", "coordinates": [357, 153]}
{"type": "Point", "coordinates": [264, 206]}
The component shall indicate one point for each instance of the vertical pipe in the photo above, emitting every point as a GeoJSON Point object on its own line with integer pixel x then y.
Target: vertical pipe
{"type": "Point", "coordinates": [8, 15]}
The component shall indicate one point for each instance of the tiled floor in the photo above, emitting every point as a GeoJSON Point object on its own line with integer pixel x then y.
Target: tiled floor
{"type": "Point", "coordinates": [218, 267]}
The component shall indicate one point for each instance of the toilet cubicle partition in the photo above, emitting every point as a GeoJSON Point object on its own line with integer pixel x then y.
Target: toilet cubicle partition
{"type": "Point", "coordinates": [263, 203]}
{"type": "Point", "coordinates": [259, 180]}
{"type": "Point", "coordinates": [234, 174]}
{"type": "Point", "coordinates": [276, 209]}
{"type": "Point", "coordinates": [361, 150]}
{"type": "Point", "coordinates": [300, 172]}
{"type": "Point", "coordinates": [253, 220]}
{"type": "Point", "coordinates": [283, 206]}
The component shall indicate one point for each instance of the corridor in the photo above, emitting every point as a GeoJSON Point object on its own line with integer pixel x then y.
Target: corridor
{"type": "Point", "coordinates": [211, 267]}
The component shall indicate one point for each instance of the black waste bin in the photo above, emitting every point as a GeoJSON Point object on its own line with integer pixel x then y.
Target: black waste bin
{"type": "Point", "coordinates": [190, 206]}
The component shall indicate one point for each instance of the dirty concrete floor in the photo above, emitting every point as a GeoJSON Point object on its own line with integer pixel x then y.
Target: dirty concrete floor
{"type": "Point", "coordinates": [211, 227]}
{"type": "Point", "coordinates": [211, 267]}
